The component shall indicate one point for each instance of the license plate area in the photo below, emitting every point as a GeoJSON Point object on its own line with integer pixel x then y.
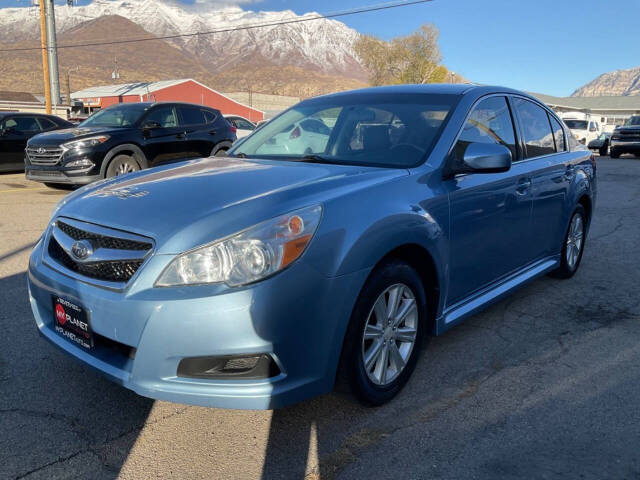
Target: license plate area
{"type": "Point", "coordinates": [71, 320]}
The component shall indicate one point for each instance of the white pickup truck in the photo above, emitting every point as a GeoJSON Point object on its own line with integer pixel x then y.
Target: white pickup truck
{"type": "Point", "coordinates": [583, 126]}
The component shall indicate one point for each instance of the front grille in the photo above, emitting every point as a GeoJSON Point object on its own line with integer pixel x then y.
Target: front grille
{"type": "Point", "coordinates": [46, 173]}
{"type": "Point", "coordinates": [102, 241]}
{"type": "Point", "coordinates": [107, 271]}
{"type": "Point", "coordinates": [44, 155]}
{"type": "Point", "coordinates": [113, 259]}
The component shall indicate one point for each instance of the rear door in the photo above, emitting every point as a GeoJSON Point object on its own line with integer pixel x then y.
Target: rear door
{"type": "Point", "coordinates": [15, 133]}
{"type": "Point", "coordinates": [490, 212]}
{"type": "Point", "coordinates": [546, 154]}
{"type": "Point", "coordinates": [166, 142]}
{"type": "Point", "coordinates": [200, 136]}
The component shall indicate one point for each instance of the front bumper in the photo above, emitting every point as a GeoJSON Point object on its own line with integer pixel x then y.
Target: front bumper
{"type": "Point", "coordinates": [298, 317]}
{"type": "Point", "coordinates": [62, 173]}
{"type": "Point", "coordinates": [622, 146]}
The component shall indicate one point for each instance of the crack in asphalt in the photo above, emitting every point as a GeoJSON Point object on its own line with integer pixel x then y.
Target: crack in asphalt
{"type": "Point", "coordinates": [94, 446]}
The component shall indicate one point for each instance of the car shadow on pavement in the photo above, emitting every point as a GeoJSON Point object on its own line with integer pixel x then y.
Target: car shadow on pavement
{"type": "Point", "coordinates": [59, 418]}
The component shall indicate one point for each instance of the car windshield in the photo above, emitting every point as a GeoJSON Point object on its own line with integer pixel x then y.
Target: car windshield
{"type": "Point", "coordinates": [398, 134]}
{"type": "Point", "coordinates": [632, 121]}
{"type": "Point", "coordinates": [576, 124]}
{"type": "Point", "coordinates": [118, 116]}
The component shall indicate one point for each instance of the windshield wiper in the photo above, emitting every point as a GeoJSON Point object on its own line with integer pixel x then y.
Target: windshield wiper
{"type": "Point", "coordinates": [314, 158]}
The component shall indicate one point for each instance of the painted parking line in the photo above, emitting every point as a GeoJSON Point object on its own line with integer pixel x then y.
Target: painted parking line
{"type": "Point", "coordinates": [26, 189]}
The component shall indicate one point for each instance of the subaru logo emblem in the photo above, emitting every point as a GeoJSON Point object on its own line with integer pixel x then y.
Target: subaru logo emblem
{"type": "Point", "coordinates": [42, 150]}
{"type": "Point", "coordinates": [81, 249]}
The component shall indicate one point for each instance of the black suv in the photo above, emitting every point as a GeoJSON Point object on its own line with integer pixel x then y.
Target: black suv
{"type": "Point", "coordinates": [626, 139]}
{"type": "Point", "coordinates": [124, 138]}
{"type": "Point", "coordinates": [16, 129]}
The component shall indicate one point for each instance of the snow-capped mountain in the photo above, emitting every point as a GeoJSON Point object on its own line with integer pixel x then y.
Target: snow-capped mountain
{"type": "Point", "coordinates": [322, 45]}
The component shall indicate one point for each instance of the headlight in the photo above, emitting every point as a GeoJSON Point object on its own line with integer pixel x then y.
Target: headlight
{"type": "Point", "coordinates": [85, 142]}
{"type": "Point", "coordinates": [248, 256]}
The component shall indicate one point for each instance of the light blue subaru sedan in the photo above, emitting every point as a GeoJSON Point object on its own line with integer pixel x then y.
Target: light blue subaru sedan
{"type": "Point", "coordinates": [324, 247]}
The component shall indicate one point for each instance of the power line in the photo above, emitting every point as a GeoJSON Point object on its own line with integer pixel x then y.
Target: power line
{"type": "Point", "coordinates": [304, 18]}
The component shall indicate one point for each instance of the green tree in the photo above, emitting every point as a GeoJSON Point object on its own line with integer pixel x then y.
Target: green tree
{"type": "Point", "coordinates": [413, 58]}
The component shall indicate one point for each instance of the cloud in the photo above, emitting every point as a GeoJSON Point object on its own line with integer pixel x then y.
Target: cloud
{"type": "Point", "coordinates": [224, 3]}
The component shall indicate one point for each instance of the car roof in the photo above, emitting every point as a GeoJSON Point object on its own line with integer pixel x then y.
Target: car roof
{"type": "Point", "coordinates": [426, 89]}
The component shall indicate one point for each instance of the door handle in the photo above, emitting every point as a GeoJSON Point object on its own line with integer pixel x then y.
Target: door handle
{"type": "Point", "coordinates": [523, 186]}
{"type": "Point", "coordinates": [212, 132]}
{"type": "Point", "coordinates": [181, 135]}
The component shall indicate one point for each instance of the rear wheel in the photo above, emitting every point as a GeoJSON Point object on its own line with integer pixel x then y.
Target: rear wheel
{"type": "Point", "coordinates": [385, 333]}
{"type": "Point", "coordinates": [121, 165]}
{"type": "Point", "coordinates": [573, 245]}
{"type": "Point", "coordinates": [614, 154]}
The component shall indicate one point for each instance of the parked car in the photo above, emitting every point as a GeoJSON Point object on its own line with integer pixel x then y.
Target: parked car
{"type": "Point", "coordinates": [309, 135]}
{"type": "Point", "coordinates": [255, 280]}
{"type": "Point", "coordinates": [243, 126]}
{"type": "Point", "coordinates": [626, 138]}
{"type": "Point", "coordinates": [16, 128]}
{"type": "Point", "coordinates": [601, 144]}
{"type": "Point", "coordinates": [125, 138]}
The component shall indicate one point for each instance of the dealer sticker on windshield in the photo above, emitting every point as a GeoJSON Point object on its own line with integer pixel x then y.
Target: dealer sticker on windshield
{"type": "Point", "coordinates": [71, 321]}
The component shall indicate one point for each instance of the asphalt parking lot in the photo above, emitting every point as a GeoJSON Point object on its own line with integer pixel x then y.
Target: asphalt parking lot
{"type": "Point", "coordinates": [545, 384]}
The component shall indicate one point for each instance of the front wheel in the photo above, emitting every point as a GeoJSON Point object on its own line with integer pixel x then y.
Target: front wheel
{"type": "Point", "coordinates": [573, 245]}
{"type": "Point", "coordinates": [614, 154]}
{"type": "Point", "coordinates": [385, 333]}
{"type": "Point", "coordinates": [603, 151]}
{"type": "Point", "coordinates": [121, 165]}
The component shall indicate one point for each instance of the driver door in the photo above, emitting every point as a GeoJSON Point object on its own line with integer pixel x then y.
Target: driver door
{"type": "Point", "coordinates": [490, 212]}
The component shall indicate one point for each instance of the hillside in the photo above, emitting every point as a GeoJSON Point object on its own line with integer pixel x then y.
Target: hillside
{"type": "Point", "coordinates": [619, 82]}
{"type": "Point", "coordinates": [324, 46]}
{"type": "Point", "coordinates": [151, 60]}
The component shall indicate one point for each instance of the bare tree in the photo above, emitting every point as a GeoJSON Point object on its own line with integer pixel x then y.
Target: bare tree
{"type": "Point", "coordinates": [413, 58]}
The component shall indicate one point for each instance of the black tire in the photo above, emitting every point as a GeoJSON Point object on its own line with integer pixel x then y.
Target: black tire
{"type": "Point", "coordinates": [120, 165]}
{"type": "Point", "coordinates": [603, 151]}
{"type": "Point", "coordinates": [352, 371]}
{"type": "Point", "coordinates": [614, 154]}
{"type": "Point", "coordinates": [566, 269]}
{"type": "Point", "coordinates": [60, 186]}
{"type": "Point", "coordinates": [222, 152]}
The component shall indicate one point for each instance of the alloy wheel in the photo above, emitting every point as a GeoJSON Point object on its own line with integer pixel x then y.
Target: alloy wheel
{"type": "Point", "coordinates": [390, 334]}
{"type": "Point", "coordinates": [574, 240]}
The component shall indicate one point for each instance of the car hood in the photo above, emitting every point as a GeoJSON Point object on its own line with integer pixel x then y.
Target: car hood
{"type": "Point", "coordinates": [195, 202]}
{"type": "Point", "coordinates": [58, 137]}
{"type": "Point", "coordinates": [629, 129]}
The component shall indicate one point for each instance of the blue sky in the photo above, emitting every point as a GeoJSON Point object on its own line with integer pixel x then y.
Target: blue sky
{"type": "Point", "coordinates": [546, 46]}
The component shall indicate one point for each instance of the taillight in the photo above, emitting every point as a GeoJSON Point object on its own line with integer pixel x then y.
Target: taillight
{"type": "Point", "coordinates": [593, 162]}
{"type": "Point", "coordinates": [233, 129]}
{"type": "Point", "coordinates": [295, 133]}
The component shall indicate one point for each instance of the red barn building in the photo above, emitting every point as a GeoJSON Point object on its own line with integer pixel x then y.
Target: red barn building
{"type": "Point", "coordinates": [185, 90]}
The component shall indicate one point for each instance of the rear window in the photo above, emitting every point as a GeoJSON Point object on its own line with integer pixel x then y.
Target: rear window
{"type": "Point", "coordinates": [209, 117]}
{"type": "Point", "coordinates": [576, 124]}
{"type": "Point", "coordinates": [191, 115]}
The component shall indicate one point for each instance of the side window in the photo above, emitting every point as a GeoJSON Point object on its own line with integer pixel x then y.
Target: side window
{"type": "Point", "coordinates": [243, 124]}
{"type": "Point", "coordinates": [558, 135]}
{"type": "Point", "coordinates": [490, 122]}
{"type": "Point", "coordinates": [209, 117]}
{"type": "Point", "coordinates": [23, 124]}
{"type": "Point", "coordinates": [191, 115]}
{"type": "Point", "coordinates": [536, 128]}
{"type": "Point", "coordinates": [165, 116]}
{"type": "Point", "coordinates": [46, 124]}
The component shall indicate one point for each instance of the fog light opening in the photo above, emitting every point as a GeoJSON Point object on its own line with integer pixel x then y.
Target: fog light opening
{"type": "Point", "coordinates": [249, 367]}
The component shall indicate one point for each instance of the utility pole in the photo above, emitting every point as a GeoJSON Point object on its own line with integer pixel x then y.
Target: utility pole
{"type": "Point", "coordinates": [50, 21]}
{"type": "Point", "coordinates": [45, 58]}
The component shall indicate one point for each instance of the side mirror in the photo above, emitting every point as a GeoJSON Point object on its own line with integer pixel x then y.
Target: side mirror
{"type": "Point", "coordinates": [486, 158]}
